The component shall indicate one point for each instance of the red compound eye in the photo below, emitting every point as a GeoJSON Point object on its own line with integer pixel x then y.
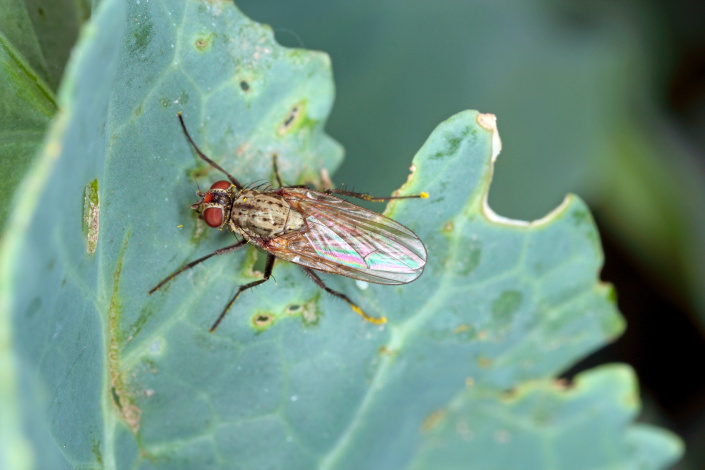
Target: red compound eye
{"type": "Point", "coordinates": [213, 216]}
{"type": "Point", "coordinates": [221, 185]}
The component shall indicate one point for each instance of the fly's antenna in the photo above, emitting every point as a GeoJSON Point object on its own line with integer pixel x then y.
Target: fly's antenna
{"type": "Point", "coordinates": [205, 158]}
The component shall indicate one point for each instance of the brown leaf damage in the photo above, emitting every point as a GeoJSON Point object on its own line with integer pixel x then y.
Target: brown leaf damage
{"type": "Point", "coordinates": [121, 395]}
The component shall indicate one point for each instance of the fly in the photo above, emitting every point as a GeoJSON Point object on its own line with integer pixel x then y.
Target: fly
{"type": "Point", "coordinates": [314, 229]}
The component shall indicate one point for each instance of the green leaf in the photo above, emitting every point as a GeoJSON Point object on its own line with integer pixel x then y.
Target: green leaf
{"type": "Point", "coordinates": [26, 107]}
{"type": "Point", "coordinates": [52, 377]}
{"type": "Point", "coordinates": [544, 425]}
{"type": "Point", "coordinates": [292, 378]}
{"type": "Point", "coordinates": [43, 32]}
{"type": "Point", "coordinates": [35, 41]}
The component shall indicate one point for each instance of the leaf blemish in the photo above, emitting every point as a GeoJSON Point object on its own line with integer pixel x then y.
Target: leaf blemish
{"type": "Point", "coordinates": [244, 86]}
{"type": "Point", "coordinates": [581, 217]}
{"type": "Point", "coordinates": [310, 314]}
{"type": "Point", "coordinates": [120, 393]}
{"type": "Point", "coordinates": [466, 258]}
{"type": "Point", "coordinates": [136, 327]}
{"type": "Point", "coordinates": [95, 448]}
{"type": "Point", "coordinates": [484, 362]}
{"type": "Point", "coordinates": [116, 397]}
{"type": "Point", "coordinates": [293, 309]}
{"type": "Point", "coordinates": [263, 321]}
{"type": "Point", "coordinates": [91, 216]}
{"type": "Point", "coordinates": [293, 119]}
{"type": "Point", "coordinates": [505, 306]}
{"type": "Point", "coordinates": [453, 143]}
{"type": "Point", "coordinates": [308, 311]}
{"type": "Point", "coordinates": [433, 420]}
{"type": "Point", "coordinates": [143, 36]}
{"type": "Point", "coordinates": [292, 116]}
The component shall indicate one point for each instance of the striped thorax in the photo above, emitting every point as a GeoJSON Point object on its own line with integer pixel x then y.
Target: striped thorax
{"type": "Point", "coordinates": [258, 214]}
{"type": "Point", "coordinates": [248, 212]}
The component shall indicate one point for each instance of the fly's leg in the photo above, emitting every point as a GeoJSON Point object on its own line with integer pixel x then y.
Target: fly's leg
{"type": "Point", "coordinates": [367, 197]}
{"type": "Point", "coordinates": [267, 273]}
{"type": "Point", "coordinates": [276, 171]}
{"type": "Point", "coordinates": [319, 282]}
{"type": "Point", "coordinates": [221, 251]}
{"type": "Point", "coordinates": [232, 179]}
{"type": "Point", "coordinates": [279, 180]}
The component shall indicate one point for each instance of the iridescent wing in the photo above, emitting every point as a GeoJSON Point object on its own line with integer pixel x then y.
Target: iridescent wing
{"type": "Point", "coordinates": [342, 238]}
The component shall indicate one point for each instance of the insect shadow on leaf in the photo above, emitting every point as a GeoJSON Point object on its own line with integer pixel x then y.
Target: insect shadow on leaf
{"type": "Point", "coordinates": [313, 229]}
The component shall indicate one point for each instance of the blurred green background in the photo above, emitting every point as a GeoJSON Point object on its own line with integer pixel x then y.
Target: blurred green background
{"type": "Point", "coordinates": [603, 99]}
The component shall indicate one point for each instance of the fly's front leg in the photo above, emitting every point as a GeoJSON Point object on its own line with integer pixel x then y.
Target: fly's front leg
{"type": "Point", "coordinates": [205, 158]}
{"type": "Point", "coordinates": [267, 273]}
{"type": "Point", "coordinates": [221, 251]}
{"type": "Point", "coordinates": [279, 180]}
{"type": "Point", "coordinates": [276, 171]}
{"type": "Point", "coordinates": [319, 282]}
{"type": "Point", "coordinates": [367, 197]}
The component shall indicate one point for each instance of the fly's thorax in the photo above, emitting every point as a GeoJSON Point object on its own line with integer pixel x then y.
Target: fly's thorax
{"type": "Point", "coordinates": [263, 214]}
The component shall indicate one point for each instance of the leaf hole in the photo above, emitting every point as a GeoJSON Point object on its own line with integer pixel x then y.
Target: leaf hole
{"type": "Point", "coordinates": [116, 397]}
{"type": "Point", "coordinates": [262, 321]}
{"type": "Point", "coordinates": [293, 309]}
{"type": "Point", "coordinates": [204, 42]}
{"type": "Point", "coordinates": [293, 118]}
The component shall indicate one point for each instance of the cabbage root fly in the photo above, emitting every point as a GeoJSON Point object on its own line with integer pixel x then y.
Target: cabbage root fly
{"type": "Point", "coordinates": [314, 229]}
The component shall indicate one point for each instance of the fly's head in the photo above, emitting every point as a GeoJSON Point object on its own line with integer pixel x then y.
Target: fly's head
{"type": "Point", "coordinates": [214, 205]}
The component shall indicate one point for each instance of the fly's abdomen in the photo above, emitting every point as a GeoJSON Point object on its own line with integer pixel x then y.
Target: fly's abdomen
{"type": "Point", "coordinates": [264, 215]}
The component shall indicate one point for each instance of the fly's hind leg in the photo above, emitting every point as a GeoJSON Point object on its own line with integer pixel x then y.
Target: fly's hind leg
{"type": "Point", "coordinates": [267, 273]}
{"type": "Point", "coordinates": [367, 197]}
{"type": "Point", "coordinates": [319, 282]}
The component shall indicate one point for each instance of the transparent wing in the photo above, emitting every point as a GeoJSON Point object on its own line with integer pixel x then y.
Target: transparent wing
{"type": "Point", "coordinates": [343, 238]}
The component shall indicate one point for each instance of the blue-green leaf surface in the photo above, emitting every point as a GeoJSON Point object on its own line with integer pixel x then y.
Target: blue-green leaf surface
{"type": "Point", "coordinates": [547, 425]}
{"type": "Point", "coordinates": [292, 378]}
